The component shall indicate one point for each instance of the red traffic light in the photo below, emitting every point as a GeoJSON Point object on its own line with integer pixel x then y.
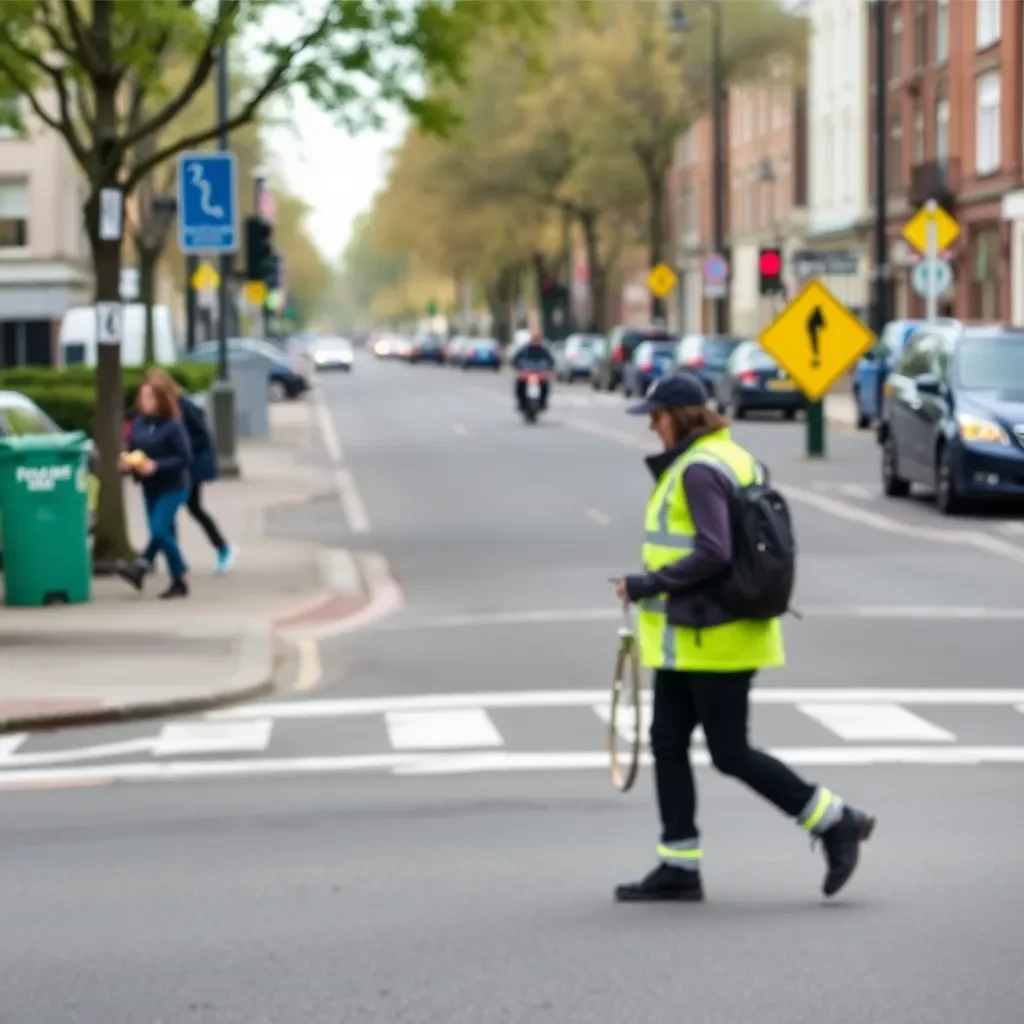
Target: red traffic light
{"type": "Point", "coordinates": [771, 263]}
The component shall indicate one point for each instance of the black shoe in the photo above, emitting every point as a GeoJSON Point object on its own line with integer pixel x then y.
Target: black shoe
{"type": "Point", "coordinates": [135, 574]}
{"type": "Point", "coordinates": [663, 883]}
{"type": "Point", "coordinates": [842, 847]}
{"type": "Point", "coordinates": [179, 588]}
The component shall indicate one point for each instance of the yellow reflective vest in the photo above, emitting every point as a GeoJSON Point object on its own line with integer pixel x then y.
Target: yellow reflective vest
{"type": "Point", "coordinates": [739, 646]}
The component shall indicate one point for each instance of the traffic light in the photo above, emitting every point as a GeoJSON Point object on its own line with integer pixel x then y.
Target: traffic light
{"type": "Point", "coordinates": [259, 249]}
{"type": "Point", "coordinates": [769, 265]}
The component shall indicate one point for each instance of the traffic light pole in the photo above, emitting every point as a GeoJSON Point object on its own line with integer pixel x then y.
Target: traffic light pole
{"type": "Point", "coordinates": [223, 399]}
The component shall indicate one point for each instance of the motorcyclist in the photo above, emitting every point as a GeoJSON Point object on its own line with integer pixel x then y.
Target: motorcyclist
{"type": "Point", "coordinates": [535, 356]}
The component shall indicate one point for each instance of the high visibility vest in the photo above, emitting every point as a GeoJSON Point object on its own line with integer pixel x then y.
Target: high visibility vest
{"type": "Point", "coordinates": [739, 646]}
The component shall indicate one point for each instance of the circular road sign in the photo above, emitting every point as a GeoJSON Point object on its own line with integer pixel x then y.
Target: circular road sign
{"type": "Point", "coordinates": [931, 277]}
{"type": "Point", "coordinates": [715, 269]}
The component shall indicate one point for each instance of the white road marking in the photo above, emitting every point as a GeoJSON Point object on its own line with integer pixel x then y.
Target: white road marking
{"type": "Point", "coordinates": [251, 736]}
{"type": "Point", "coordinates": [859, 492]}
{"type": "Point", "coordinates": [458, 729]}
{"type": "Point", "coordinates": [310, 669]}
{"type": "Point", "coordinates": [599, 517]}
{"type": "Point", "coordinates": [351, 503]}
{"type": "Point", "coordinates": [556, 616]}
{"type": "Point", "coordinates": [328, 430]}
{"type": "Point", "coordinates": [626, 724]}
{"type": "Point", "coordinates": [10, 743]}
{"type": "Point", "coordinates": [94, 753]}
{"type": "Point", "coordinates": [353, 707]}
{"type": "Point", "coordinates": [475, 763]}
{"type": "Point", "coordinates": [459, 429]}
{"type": "Point", "coordinates": [1011, 529]}
{"type": "Point", "coordinates": [875, 723]}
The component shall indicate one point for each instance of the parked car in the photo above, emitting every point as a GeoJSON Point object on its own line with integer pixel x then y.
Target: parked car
{"type": "Point", "coordinates": [480, 353]}
{"type": "Point", "coordinates": [606, 371]}
{"type": "Point", "coordinates": [284, 379]}
{"type": "Point", "coordinates": [651, 360]}
{"type": "Point", "coordinates": [953, 415]}
{"type": "Point", "coordinates": [454, 350]}
{"type": "Point", "coordinates": [427, 348]}
{"type": "Point", "coordinates": [875, 366]}
{"type": "Point", "coordinates": [21, 417]}
{"type": "Point", "coordinates": [576, 357]}
{"type": "Point", "coordinates": [752, 380]}
{"type": "Point", "coordinates": [706, 355]}
{"type": "Point", "coordinates": [331, 354]}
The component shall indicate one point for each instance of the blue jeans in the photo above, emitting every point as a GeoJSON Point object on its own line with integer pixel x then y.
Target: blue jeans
{"type": "Point", "coordinates": [161, 510]}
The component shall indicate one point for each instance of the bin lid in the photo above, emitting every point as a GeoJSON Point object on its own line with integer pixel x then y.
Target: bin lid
{"type": "Point", "coordinates": [73, 443]}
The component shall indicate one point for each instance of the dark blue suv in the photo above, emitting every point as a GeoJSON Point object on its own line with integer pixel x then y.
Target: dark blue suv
{"type": "Point", "coordinates": [953, 415]}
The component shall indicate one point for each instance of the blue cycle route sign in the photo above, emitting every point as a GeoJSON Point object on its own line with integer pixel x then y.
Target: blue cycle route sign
{"type": "Point", "coordinates": [207, 203]}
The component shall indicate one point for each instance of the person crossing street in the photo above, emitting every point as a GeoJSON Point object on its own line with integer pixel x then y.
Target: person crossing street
{"type": "Point", "coordinates": [704, 645]}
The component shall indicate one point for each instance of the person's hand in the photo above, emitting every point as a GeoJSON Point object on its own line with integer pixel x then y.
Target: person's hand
{"type": "Point", "coordinates": [620, 591]}
{"type": "Point", "coordinates": [147, 469]}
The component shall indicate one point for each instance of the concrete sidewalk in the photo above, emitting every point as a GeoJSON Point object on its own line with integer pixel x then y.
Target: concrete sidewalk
{"type": "Point", "coordinates": [129, 655]}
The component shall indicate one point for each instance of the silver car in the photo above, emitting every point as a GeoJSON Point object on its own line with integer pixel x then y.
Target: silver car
{"type": "Point", "coordinates": [577, 356]}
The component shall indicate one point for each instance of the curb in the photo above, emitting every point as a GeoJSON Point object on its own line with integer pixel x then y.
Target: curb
{"type": "Point", "coordinates": [252, 679]}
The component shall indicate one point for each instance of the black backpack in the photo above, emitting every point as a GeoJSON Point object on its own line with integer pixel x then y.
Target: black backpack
{"type": "Point", "coordinates": [760, 579]}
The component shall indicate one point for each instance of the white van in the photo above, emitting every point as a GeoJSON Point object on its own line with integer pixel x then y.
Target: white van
{"type": "Point", "coordinates": [78, 336]}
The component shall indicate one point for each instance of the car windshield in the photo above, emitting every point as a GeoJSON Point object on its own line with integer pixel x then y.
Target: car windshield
{"type": "Point", "coordinates": [994, 363]}
{"type": "Point", "coordinates": [332, 345]}
{"type": "Point", "coordinates": [635, 337]}
{"type": "Point", "coordinates": [758, 359]}
{"type": "Point", "coordinates": [718, 350]}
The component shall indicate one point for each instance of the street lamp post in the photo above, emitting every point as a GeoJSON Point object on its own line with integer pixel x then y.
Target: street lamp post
{"type": "Point", "coordinates": [680, 23]}
{"type": "Point", "coordinates": [881, 275]}
{"type": "Point", "coordinates": [223, 400]}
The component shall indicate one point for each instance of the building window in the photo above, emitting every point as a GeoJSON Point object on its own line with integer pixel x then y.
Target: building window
{"type": "Point", "coordinates": [895, 153]}
{"type": "Point", "coordinates": [920, 33]}
{"type": "Point", "coordinates": [942, 30]}
{"type": "Point", "coordinates": [986, 143]}
{"type": "Point", "coordinates": [989, 15]}
{"type": "Point", "coordinates": [942, 131]}
{"type": "Point", "coordinates": [895, 44]}
{"type": "Point", "coordinates": [917, 141]}
{"type": "Point", "coordinates": [14, 214]}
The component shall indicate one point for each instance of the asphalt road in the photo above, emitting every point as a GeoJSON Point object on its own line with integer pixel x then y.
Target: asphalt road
{"type": "Point", "coordinates": [324, 865]}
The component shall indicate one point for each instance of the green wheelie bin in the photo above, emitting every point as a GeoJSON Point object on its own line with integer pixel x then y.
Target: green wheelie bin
{"type": "Point", "coordinates": [44, 519]}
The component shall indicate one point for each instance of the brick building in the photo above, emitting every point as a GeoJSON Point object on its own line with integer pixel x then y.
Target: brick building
{"type": "Point", "coordinates": [765, 197]}
{"type": "Point", "coordinates": [954, 134]}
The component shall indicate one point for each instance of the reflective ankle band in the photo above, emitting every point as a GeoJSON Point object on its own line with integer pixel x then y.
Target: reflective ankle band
{"type": "Point", "coordinates": [823, 810]}
{"type": "Point", "coordinates": [683, 853]}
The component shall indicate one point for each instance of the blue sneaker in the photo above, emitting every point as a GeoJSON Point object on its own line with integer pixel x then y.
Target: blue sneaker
{"type": "Point", "coordinates": [226, 558]}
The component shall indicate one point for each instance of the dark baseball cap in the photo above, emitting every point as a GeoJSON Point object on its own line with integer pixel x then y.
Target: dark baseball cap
{"type": "Point", "coordinates": [670, 392]}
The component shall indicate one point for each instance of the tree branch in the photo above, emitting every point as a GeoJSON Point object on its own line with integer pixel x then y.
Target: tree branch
{"type": "Point", "coordinates": [271, 84]}
{"type": "Point", "coordinates": [66, 125]}
{"type": "Point", "coordinates": [78, 49]}
{"type": "Point", "coordinates": [201, 70]}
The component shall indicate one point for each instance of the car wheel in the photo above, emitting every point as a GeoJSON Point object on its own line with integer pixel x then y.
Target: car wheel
{"type": "Point", "coordinates": [893, 485]}
{"type": "Point", "coordinates": [278, 392]}
{"type": "Point", "coordinates": [947, 500]}
{"type": "Point", "coordinates": [790, 414]}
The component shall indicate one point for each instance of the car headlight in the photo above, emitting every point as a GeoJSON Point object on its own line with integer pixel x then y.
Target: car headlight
{"type": "Point", "coordinates": [973, 428]}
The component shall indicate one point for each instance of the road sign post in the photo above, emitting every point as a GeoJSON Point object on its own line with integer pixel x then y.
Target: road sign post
{"type": "Point", "coordinates": [816, 339]}
{"type": "Point", "coordinates": [931, 251]}
{"type": "Point", "coordinates": [930, 231]}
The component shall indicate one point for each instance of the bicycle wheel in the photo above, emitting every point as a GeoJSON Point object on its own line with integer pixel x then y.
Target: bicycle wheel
{"type": "Point", "coordinates": [625, 718]}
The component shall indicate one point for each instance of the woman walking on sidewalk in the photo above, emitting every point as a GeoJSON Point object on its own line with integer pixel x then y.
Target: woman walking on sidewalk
{"type": "Point", "coordinates": [203, 468]}
{"type": "Point", "coordinates": [159, 457]}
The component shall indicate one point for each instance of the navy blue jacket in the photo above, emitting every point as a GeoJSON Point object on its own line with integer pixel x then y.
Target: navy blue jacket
{"type": "Point", "coordinates": [166, 443]}
{"type": "Point", "coordinates": [204, 454]}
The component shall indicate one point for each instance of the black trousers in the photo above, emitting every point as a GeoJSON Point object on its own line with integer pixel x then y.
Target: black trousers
{"type": "Point", "coordinates": [521, 393]}
{"type": "Point", "coordinates": [204, 519]}
{"type": "Point", "coordinates": [720, 702]}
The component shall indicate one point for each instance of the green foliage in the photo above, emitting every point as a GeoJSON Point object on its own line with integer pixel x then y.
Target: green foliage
{"type": "Point", "coordinates": [68, 396]}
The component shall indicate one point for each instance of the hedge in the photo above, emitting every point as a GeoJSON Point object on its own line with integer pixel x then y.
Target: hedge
{"type": "Point", "coordinates": [68, 396]}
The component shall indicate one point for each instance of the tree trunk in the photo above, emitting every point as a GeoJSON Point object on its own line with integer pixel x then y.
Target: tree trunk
{"type": "Point", "coordinates": [656, 205]}
{"type": "Point", "coordinates": [148, 261]}
{"type": "Point", "coordinates": [596, 272]}
{"type": "Point", "coordinates": [111, 536]}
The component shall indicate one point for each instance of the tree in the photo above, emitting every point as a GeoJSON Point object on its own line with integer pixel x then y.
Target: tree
{"type": "Point", "coordinates": [651, 85]}
{"type": "Point", "coordinates": [90, 72]}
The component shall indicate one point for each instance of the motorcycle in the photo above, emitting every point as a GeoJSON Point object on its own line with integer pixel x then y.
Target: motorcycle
{"type": "Point", "coordinates": [532, 394]}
